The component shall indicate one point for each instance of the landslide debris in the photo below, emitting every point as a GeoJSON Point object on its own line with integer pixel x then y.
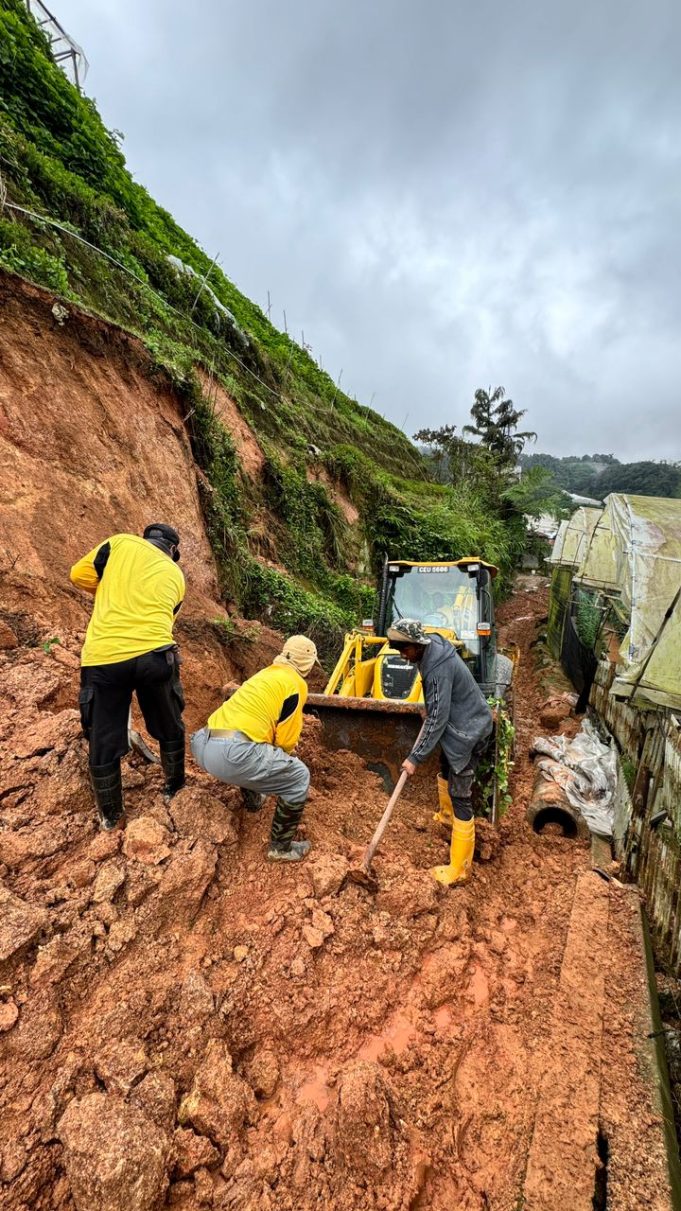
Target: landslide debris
{"type": "Point", "coordinates": [184, 1025]}
{"type": "Point", "coordinates": [241, 1036]}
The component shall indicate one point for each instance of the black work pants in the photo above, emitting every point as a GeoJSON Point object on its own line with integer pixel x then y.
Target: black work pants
{"type": "Point", "coordinates": [106, 694]}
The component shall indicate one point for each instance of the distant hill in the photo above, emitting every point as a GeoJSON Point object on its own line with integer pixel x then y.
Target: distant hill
{"type": "Point", "coordinates": [598, 474]}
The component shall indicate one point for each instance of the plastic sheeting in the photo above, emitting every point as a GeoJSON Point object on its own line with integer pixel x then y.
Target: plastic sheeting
{"type": "Point", "coordinates": [573, 538]}
{"type": "Point", "coordinates": [599, 566]}
{"type": "Point", "coordinates": [635, 552]}
{"type": "Point", "coordinates": [657, 677]}
{"type": "Point", "coordinates": [557, 549]}
{"type": "Point", "coordinates": [586, 769]}
{"type": "Point", "coordinates": [651, 530]}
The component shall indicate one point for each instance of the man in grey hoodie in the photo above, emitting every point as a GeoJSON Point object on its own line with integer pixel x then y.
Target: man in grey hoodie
{"type": "Point", "coordinates": [460, 721]}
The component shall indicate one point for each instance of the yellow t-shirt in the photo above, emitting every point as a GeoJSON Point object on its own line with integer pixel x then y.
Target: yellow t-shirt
{"type": "Point", "coordinates": [138, 591]}
{"type": "Point", "coordinates": [257, 707]}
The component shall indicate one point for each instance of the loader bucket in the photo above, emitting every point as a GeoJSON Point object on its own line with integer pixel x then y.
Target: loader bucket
{"type": "Point", "coordinates": [381, 732]}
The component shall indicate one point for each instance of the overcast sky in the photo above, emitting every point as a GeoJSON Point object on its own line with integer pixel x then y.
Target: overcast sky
{"type": "Point", "coordinates": [442, 194]}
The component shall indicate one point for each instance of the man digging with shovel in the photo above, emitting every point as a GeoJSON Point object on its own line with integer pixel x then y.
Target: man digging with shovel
{"type": "Point", "coordinates": [460, 721]}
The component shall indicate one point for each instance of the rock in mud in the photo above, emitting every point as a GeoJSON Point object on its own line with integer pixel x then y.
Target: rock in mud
{"type": "Point", "coordinates": [120, 1064]}
{"type": "Point", "coordinates": [263, 1073]}
{"type": "Point", "coordinates": [54, 959]}
{"type": "Point", "coordinates": [9, 1014]}
{"type": "Point", "coordinates": [30, 686]}
{"type": "Point", "coordinates": [120, 935]}
{"type": "Point", "coordinates": [49, 732]}
{"type": "Point", "coordinates": [196, 813]}
{"type": "Point", "coordinates": [147, 841]}
{"type": "Point", "coordinates": [185, 881]}
{"type": "Point", "coordinates": [110, 878]}
{"type": "Point", "coordinates": [12, 1160]}
{"type": "Point", "coordinates": [104, 845]}
{"type": "Point", "coordinates": [155, 1097]}
{"type": "Point", "coordinates": [196, 1000]}
{"type": "Point", "coordinates": [219, 1102]}
{"type": "Point", "coordinates": [7, 637]}
{"type": "Point", "coordinates": [82, 873]}
{"type": "Point", "coordinates": [40, 1027]}
{"type": "Point", "coordinates": [141, 881]}
{"type": "Point", "coordinates": [364, 1128]}
{"type": "Point", "coordinates": [328, 873]}
{"type": "Point", "coordinates": [191, 1152]}
{"type": "Point", "coordinates": [42, 838]}
{"type": "Point", "coordinates": [114, 1156]}
{"type": "Point", "coordinates": [20, 923]}
{"type": "Point", "coordinates": [203, 1188]}
{"type": "Point", "coordinates": [313, 937]}
{"type": "Point", "coordinates": [323, 922]}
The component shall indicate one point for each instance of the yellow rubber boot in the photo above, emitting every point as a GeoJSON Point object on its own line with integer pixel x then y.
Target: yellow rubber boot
{"type": "Point", "coordinates": [445, 814]}
{"type": "Point", "coordinates": [460, 855]}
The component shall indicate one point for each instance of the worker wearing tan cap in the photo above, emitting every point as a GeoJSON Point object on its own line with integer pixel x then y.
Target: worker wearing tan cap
{"type": "Point", "coordinates": [249, 742]}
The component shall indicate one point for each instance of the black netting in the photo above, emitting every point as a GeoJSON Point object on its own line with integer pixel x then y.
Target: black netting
{"type": "Point", "coordinates": [579, 662]}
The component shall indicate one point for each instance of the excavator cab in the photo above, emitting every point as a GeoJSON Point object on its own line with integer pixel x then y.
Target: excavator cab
{"type": "Point", "coordinates": [452, 599]}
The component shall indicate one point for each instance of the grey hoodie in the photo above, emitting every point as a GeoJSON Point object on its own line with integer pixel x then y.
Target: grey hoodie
{"type": "Point", "coordinates": [457, 715]}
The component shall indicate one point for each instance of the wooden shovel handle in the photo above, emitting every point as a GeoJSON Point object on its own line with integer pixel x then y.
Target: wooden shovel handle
{"type": "Point", "coordinates": [383, 822]}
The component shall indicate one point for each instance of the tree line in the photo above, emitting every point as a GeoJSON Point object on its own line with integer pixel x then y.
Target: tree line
{"type": "Point", "coordinates": [598, 474]}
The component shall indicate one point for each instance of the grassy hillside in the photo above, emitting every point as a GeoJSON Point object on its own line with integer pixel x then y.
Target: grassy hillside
{"type": "Point", "coordinates": [139, 269]}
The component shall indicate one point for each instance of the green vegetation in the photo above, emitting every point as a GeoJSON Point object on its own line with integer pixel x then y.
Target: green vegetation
{"type": "Point", "coordinates": [285, 549]}
{"type": "Point", "coordinates": [495, 767]}
{"type": "Point", "coordinates": [596, 475]}
{"type": "Point", "coordinates": [588, 618]}
{"type": "Point", "coordinates": [496, 424]}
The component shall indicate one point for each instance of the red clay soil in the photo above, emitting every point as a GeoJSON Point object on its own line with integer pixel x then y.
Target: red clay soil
{"type": "Point", "coordinates": [187, 1026]}
{"type": "Point", "coordinates": [184, 1025]}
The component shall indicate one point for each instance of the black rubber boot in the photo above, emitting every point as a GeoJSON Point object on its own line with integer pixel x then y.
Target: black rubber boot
{"type": "Point", "coordinates": [172, 762]}
{"type": "Point", "coordinates": [252, 800]}
{"type": "Point", "coordinates": [107, 785]}
{"type": "Point", "coordinates": [284, 824]}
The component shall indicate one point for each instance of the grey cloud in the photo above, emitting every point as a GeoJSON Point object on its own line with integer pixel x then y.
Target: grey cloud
{"type": "Point", "coordinates": [441, 195]}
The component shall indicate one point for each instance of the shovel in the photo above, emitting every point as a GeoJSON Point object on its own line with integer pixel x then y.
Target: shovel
{"type": "Point", "coordinates": [363, 874]}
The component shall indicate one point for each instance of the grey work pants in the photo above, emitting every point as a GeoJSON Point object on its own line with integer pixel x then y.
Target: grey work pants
{"type": "Point", "coordinates": [460, 785]}
{"type": "Point", "coordinates": [255, 767]}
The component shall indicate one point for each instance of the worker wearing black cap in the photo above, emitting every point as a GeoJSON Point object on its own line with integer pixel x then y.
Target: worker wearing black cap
{"type": "Point", "coordinates": [138, 589]}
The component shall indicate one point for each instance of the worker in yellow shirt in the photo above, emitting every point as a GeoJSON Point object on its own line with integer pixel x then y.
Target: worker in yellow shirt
{"type": "Point", "coordinates": [249, 742]}
{"type": "Point", "coordinates": [138, 589]}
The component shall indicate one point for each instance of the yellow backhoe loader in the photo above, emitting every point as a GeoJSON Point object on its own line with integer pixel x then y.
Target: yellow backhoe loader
{"type": "Point", "coordinates": [373, 701]}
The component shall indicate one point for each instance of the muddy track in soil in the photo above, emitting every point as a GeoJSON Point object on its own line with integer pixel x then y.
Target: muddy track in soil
{"type": "Point", "coordinates": [248, 1036]}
